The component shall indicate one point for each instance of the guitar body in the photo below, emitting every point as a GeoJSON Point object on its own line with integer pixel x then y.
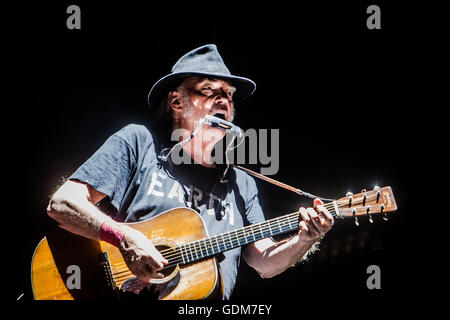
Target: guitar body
{"type": "Point", "coordinates": [69, 267]}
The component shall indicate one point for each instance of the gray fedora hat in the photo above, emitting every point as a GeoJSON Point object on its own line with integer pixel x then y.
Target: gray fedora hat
{"type": "Point", "coordinates": [203, 61]}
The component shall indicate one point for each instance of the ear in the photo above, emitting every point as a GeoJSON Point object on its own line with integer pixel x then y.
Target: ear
{"type": "Point", "coordinates": [174, 100]}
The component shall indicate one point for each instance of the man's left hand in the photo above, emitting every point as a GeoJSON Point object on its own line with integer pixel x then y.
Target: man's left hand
{"type": "Point", "coordinates": [315, 222]}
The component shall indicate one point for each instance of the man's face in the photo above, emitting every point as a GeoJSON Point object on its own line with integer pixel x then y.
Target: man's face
{"type": "Point", "coordinates": [194, 99]}
{"type": "Point", "coordinates": [207, 96]}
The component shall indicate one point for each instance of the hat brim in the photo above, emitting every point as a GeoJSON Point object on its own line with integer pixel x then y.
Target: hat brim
{"type": "Point", "coordinates": [244, 87]}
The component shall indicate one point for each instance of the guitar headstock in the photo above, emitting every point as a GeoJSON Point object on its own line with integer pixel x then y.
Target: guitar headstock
{"type": "Point", "coordinates": [367, 203]}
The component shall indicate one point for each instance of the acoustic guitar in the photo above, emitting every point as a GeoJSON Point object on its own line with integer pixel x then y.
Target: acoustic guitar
{"type": "Point", "coordinates": [66, 266]}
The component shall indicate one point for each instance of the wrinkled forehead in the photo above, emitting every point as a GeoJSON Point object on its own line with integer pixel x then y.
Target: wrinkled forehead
{"type": "Point", "coordinates": [197, 82]}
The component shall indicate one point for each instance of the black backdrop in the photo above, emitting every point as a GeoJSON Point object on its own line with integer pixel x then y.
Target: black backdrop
{"type": "Point", "coordinates": [339, 93]}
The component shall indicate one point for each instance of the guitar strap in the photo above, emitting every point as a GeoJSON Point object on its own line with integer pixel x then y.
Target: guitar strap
{"type": "Point", "coordinates": [280, 184]}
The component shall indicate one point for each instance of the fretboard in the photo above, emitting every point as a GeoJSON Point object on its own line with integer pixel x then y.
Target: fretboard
{"type": "Point", "coordinates": [211, 246]}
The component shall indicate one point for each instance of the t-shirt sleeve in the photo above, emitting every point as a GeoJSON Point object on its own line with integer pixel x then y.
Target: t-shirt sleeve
{"type": "Point", "coordinates": [254, 212]}
{"type": "Point", "coordinates": [110, 169]}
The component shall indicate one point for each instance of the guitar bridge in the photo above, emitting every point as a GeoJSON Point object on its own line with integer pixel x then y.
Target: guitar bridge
{"type": "Point", "coordinates": [105, 266]}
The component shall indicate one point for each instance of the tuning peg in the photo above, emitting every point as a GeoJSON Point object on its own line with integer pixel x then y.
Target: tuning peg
{"type": "Point", "coordinates": [378, 192]}
{"type": "Point", "coordinates": [384, 214]}
{"type": "Point", "coordinates": [370, 216]}
{"type": "Point", "coordinates": [363, 190]}
{"type": "Point", "coordinates": [355, 217]}
{"type": "Point", "coordinates": [350, 198]}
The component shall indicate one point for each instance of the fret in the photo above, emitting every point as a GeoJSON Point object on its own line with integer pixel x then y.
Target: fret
{"type": "Point", "coordinates": [209, 246]}
{"type": "Point", "coordinates": [260, 231]}
{"type": "Point", "coordinates": [219, 248]}
{"type": "Point", "coordinates": [189, 250]}
{"type": "Point", "coordinates": [270, 228]}
{"type": "Point", "coordinates": [201, 250]}
{"type": "Point", "coordinates": [193, 251]}
{"type": "Point", "coordinates": [224, 240]}
{"type": "Point", "coordinates": [217, 245]}
{"type": "Point", "coordinates": [267, 232]}
{"type": "Point", "coordinates": [263, 229]}
{"type": "Point", "coordinates": [187, 253]}
{"type": "Point", "coordinates": [238, 244]}
{"type": "Point", "coordinates": [229, 240]}
{"type": "Point", "coordinates": [223, 244]}
{"type": "Point", "coordinates": [230, 236]}
{"type": "Point", "coordinates": [239, 235]}
{"type": "Point", "coordinates": [182, 255]}
{"type": "Point", "coordinates": [196, 247]}
{"type": "Point", "coordinates": [279, 226]}
{"type": "Point", "coordinates": [246, 234]}
{"type": "Point", "coordinates": [213, 246]}
{"type": "Point", "coordinates": [255, 233]}
{"type": "Point", "coordinates": [287, 226]}
{"type": "Point", "coordinates": [282, 225]}
{"type": "Point", "coordinates": [290, 224]}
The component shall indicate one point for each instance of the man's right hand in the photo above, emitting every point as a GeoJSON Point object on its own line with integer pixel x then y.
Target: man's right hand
{"type": "Point", "coordinates": [140, 255]}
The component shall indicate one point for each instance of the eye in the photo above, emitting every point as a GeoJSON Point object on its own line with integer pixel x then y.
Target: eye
{"type": "Point", "coordinates": [207, 90]}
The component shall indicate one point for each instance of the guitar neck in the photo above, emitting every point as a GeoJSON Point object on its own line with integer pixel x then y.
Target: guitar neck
{"type": "Point", "coordinates": [211, 246]}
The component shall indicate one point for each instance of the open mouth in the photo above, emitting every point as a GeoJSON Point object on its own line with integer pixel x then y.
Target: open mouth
{"type": "Point", "coordinates": [220, 115]}
{"type": "Point", "coordinates": [219, 112]}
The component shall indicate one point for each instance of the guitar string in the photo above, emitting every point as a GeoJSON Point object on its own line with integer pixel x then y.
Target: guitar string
{"type": "Point", "coordinates": [175, 254]}
{"type": "Point", "coordinates": [328, 206]}
{"type": "Point", "coordinates": [197, 245]}
{"type": "Point", "coordinates": [290, 218]}
{"type": "Point", "coordinates": [189, 250]}
{"type": "Point", "coordinates": [193, 248]}
{"type": "Point", "coordinates": [238, 235]}
{"type": "Point", "coordinates": [176, 258]}
{"type": "Point", "coordinates": [122, 276]}
{"type": "Point", "coordinates": [119, 280]}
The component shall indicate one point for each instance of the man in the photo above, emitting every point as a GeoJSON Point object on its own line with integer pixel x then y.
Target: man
{"type": "Point", "coordinates": [128, 172]}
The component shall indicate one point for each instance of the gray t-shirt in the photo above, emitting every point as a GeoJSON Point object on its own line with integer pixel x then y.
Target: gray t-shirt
{"type": "Point", "coordinates": [139, 186]}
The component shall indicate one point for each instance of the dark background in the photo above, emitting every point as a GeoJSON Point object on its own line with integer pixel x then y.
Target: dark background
{"type": "Point", "coordinates": [342, 96]}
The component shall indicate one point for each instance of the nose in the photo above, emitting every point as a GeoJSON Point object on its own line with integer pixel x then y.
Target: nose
{"type": "Point", "coordinates": [222, 97]}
